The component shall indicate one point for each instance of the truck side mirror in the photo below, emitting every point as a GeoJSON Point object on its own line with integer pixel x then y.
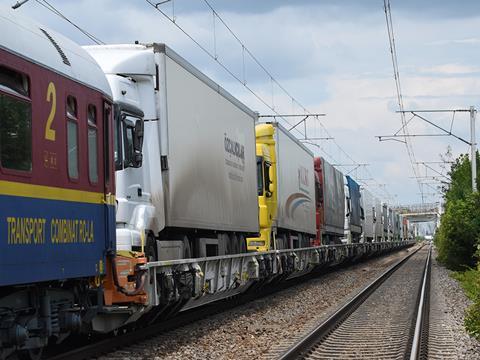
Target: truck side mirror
{"type": "Point", "coordinates": [138, 143]}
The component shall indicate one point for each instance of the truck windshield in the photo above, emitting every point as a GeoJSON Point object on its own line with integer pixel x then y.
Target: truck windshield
{"type": "Point", "coordinates": [266, 176]}
{"type": "Point", "coordinates": [259, 176]}
{"type": "Point", "coordinates": [128, 126]}
{"type": "Point", "coordinates": [124, 138]}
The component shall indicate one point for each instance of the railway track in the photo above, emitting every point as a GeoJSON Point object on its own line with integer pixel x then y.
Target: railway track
{"type": "Point", "coordinates": [124, 345]}
{"type": "Point", "coordinates": [386, 320]}
{"type": "Point", "coordinates": [88, 349]}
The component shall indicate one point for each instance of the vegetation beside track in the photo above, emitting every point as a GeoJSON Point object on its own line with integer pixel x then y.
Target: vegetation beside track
{"type": "Point", "coordinates": [458, 237]}
{"type": "Point", "coordinates": [470, 280]}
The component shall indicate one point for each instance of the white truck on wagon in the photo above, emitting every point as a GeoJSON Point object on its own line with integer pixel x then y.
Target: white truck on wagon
{"type": "Point", "coordinates": [370, 218]}
{"type": "Point", "coordinates": [191, 190]}
{"type": "Point", "coordinates": [378, 221]}
{"type": "Point", "coordinates": [296, 189]}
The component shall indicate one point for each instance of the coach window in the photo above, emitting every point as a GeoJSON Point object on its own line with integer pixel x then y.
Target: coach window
{"type": "Point", "coordinates": [72, 137]}
{"type": "Point", "coordinates": [15, 121]}
{"type": "Point", "coordinates": [92, 144]}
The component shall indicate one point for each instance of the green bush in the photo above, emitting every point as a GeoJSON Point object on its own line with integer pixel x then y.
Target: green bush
{"type": "Point", "coordinates": [461, 179]}
{"type": "Point", "coordinates": [470, 281]}
{"type": "Point", "coordinates": [472, 320]}
{"type": "Point", "coordinates": [458, 234]}
{"type": "Point", "coordinates": [458, 237]}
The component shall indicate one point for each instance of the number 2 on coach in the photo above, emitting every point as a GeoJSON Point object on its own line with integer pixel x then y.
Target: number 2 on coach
{"type": "Point", "coordinates": [51, 98]}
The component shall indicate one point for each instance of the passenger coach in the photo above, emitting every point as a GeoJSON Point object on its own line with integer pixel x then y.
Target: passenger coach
{"type": "Point", "coordinates": [56, 209]}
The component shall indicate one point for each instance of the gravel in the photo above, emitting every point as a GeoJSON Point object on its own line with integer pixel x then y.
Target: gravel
{"type": "Point", "coordinates": [449, 304]}
{"type": "Point", "coordinates": [265, 327]}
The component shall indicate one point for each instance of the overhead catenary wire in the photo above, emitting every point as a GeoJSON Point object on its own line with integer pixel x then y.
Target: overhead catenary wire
{"type": "Point", "coordinates": [214, 58]}
{"type": "Point", "coordinates": [280, 86]}
{"type": "Point", "coordinates": [246, 50]}
{"type": "Point", "coordinates": [398, 87]}
{"type": "Point", "coordinates": [242, 79]}
{"type": "Point", "coordinates": [254, 58]}
{"type": "Point", "coordinates": [57, 12]}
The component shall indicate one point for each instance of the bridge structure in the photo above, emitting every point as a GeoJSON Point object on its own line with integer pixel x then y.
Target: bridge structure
{"type": "Point", "coordinates": [415, 214]}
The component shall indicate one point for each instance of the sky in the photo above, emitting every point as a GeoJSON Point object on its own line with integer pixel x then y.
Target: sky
{"type": "Point", "coordinates": [332, 57]}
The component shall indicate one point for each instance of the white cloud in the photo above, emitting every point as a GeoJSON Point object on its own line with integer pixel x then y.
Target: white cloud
{"type": "Point", "coordinates": [449, 69]}
{"type": "Point", "coordinates": [469, 41]}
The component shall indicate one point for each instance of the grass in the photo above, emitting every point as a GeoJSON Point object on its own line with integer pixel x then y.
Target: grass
{"type": "Point", "coordinates": [470, 281]}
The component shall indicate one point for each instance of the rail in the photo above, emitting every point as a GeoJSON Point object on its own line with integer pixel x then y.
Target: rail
{"type": "Point", "coordinates": [318, 334]}
{"type": "Point", "coordinates": [418, 338]}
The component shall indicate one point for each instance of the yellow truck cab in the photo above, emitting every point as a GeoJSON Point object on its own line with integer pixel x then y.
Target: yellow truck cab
{"type": "Point", "coordinates": [266, 186]}
{"type": "Point", "coordinates": [286, 190]}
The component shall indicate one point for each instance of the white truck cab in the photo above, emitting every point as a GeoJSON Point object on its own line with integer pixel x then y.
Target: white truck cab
{"type": "Point", "coordinates": [181, 190]}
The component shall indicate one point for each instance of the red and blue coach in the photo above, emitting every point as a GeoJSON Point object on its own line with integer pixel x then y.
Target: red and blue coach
{"type": "Point", "coordinates": [57, 204]}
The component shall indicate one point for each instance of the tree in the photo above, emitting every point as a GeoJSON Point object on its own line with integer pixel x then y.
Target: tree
{"type": "Point", "coordinates": [459, 230]}
{"type": "Point", "coordinates": [458, 235]}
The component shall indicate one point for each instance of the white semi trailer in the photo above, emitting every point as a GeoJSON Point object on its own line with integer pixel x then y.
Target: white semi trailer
{"type": "Point", "coordinates": [397, 228]}
{"type": "Point", "coordinates": [370, 219]}
{"type": "Point", "coordinates": [378, 221]}
{"type": "Point", "coordinates": [191, 190]}
{"type": "Point", "coordinates": [385, 221]}
{"type": "Point", "coordinates": [391, 224]}
{"type": "Point", "coordinates": [332, 207]}
{"type": "Point", "coordinates": [295, 225]}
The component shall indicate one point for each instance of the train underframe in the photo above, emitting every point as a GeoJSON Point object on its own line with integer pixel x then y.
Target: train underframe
{"type": "Point", "coordinates": [32, 315]}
